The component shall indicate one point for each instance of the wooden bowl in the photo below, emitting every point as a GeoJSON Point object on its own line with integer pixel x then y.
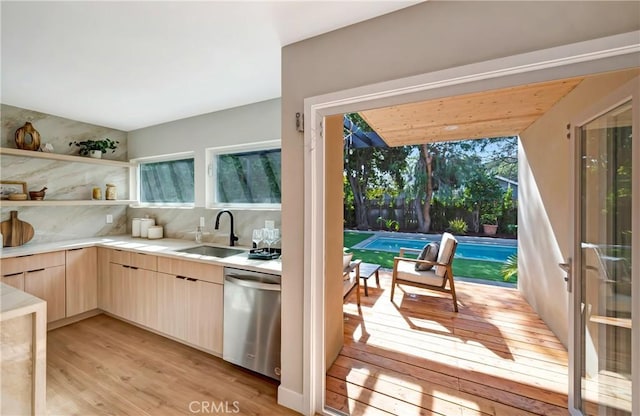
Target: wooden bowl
{"type": "Point", "coordinates": [17, 197]}
{"type": "Point", "coordinates": [36, 195]}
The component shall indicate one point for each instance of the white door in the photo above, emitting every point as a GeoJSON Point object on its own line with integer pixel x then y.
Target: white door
{"type": "Point", "coordinates": [603, 350]}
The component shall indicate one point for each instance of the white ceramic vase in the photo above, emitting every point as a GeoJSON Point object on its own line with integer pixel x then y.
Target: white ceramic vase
{"type": "Point", "coordinates": [97, 154]}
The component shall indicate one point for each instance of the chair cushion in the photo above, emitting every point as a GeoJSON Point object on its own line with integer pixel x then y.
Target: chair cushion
{"type": "Point", "coordinates": [444, 255]}
{"type": "Point", "coordinates": [430, 253]}
{"type": "Point", "coordinates": [346, 260]}
{"type": "Point", "coordinates": [407, 271]}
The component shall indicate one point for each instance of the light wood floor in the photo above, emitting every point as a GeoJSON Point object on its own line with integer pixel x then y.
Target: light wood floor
{"type": "Point", "coordinates": [102, 366]}
{"type": "Point", "coordinates": [495, 356]}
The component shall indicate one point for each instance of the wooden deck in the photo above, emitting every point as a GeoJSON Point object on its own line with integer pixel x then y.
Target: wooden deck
{"type": "Point", "coordinates": [417, 357]}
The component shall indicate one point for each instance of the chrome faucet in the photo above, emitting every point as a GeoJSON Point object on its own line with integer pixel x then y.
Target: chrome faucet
{"type": "Point", "coordinates": [232, 238]}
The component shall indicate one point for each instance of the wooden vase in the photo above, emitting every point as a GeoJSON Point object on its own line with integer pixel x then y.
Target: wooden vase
{"type": "Point", "coordinates": [27, 137]}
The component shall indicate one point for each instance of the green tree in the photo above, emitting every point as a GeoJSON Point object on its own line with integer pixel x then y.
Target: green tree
{"type": "Point", "coordinates": [368, 168]}
{"type": "Point", "coordinates": [483, 196]}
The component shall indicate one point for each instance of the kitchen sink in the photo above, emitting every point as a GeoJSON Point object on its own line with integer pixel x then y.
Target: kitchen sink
{"type": "Point", "coordinates": [212, 251]}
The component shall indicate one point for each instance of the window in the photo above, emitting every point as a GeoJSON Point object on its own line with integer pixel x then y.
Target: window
{"type": "Point", "coordinates": [169, 182]}
{"type": "Point", "coordinates": [247, 178]}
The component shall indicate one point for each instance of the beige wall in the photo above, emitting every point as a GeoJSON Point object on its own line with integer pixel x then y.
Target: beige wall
{"type": "Point", "coordinates": [545, 192]}
{"type": "Point", "coordinates": [427, 37]}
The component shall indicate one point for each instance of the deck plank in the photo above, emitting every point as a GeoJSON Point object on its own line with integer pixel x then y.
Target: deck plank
{"type": "Point", "coordinates": [416, 356]}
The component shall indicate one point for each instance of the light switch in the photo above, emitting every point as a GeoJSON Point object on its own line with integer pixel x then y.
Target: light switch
{"type": "Point", "coordinates": [109, 219]}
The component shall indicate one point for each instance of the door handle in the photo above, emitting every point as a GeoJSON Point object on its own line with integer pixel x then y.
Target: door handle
{"type": "Point", "coordinates": [567, 267]}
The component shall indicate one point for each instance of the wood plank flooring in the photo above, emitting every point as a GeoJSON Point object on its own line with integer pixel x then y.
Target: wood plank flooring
{"type": "Point", "coordinates": [417, 357]}
{"type": "Point", "coordinates": [102, 366]}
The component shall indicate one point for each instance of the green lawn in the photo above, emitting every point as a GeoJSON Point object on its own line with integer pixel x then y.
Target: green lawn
{"type": "Point", "coordinates": [486, 270]}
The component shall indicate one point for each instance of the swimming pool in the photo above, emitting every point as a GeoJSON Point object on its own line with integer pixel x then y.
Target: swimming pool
{"type": "Point", "coordinates": [466, 250]}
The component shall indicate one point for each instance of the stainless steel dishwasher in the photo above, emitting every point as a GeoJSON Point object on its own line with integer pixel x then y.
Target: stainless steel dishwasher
{"type": "Point", "coordinates": [252, 321]}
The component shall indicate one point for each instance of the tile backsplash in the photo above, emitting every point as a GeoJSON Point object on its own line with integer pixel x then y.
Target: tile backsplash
{"type": "Point", "coordinates": [182, 223]}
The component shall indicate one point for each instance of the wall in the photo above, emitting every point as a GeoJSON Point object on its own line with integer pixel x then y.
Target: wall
{"type": "Point", "coordinates": [424, 38]}
{"type": "Point", "coordinates": [63, 180]}
{"type": "Point", "coordinates": [241, 125]}
{"type": "Point", "coordinates": [545, 219]}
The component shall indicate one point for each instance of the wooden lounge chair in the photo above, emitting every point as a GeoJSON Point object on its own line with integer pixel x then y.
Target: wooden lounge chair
{"type": "Point", "coordinates": [350, 278]}
{"type": "Point", "coordinates": [439, 278]}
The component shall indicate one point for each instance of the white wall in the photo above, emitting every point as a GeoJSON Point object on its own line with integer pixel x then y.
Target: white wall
{"type": "Point", "coordinates": [544, 218]}
{"type": "Point", "coordinates": [252, 123]}
{"type": "Point", "coordinates": [420, 39]}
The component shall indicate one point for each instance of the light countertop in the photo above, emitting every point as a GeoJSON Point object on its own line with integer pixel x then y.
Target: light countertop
{"type": "Point", "coordinates": [165, 247]}
{"type": "Point", "coordinates": [15, 302]}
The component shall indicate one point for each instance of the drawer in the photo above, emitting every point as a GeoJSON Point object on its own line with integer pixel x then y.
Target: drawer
{"type": "Point", "coordinates": [33, 262]}
{"type": "Point", "coordinates": [121, 257]}
{"type": "Point", "coordinates": [201, 271]}
{"type": "Point", "coordinates": [144, 261]}
{"type": "Point", "coordinates": [12, 265]}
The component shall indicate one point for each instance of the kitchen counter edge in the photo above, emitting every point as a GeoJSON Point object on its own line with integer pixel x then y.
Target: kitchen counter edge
{"type": "Point", "coordinates": [165, 247]}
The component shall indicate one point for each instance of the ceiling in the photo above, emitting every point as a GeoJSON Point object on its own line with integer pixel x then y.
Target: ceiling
{"type": "Point", "coordinates": [128, 65]}
{"type": "Point", "coordinates": [495, 113]}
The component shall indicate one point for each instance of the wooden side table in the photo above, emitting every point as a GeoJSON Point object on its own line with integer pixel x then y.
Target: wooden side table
{"type": "Point", "coordinates": [366, 271]}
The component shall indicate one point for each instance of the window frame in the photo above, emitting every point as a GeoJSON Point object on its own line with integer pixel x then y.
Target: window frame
{"type": "Point", "coordinates": [157, 159]}
{"type": "Point", "coordinates": [211, 182]}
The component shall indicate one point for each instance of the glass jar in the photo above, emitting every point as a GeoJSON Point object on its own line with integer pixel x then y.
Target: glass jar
{"type": "Point", "coordinates": [111, 192]}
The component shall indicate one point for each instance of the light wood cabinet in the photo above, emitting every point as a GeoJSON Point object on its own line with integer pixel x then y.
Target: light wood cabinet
{"type": "Point", "coordinates": [130, 287]}
{"type": "Point", "coordinates": [204, 314]}
{"type": "Point", "coordinates": [43, 276]}
{"type": "Point", "coordinates": [171, 295]}
{"type": "Point", "coordinates": [104, 287]}
{"type": "Point", "coordinates": [48, 284]}
{"type": "Point", "coordinates": [14, 279]}
{"type": "Point", "coordinates": [189, 308]}
{"type": "Point", "coordinates": [82, 280]}
{"type": "Point", "coordinates": [143, 300]}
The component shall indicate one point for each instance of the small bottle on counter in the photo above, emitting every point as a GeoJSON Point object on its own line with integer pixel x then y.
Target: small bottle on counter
{"type": "Point", "coordinates": [96, 193]}
{"type": "Point", "coordinates": [199, 234]}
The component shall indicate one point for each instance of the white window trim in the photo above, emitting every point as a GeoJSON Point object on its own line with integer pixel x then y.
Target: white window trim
{"type": "Point", "coordinates": [135, 180]}
{"type": "Point", "coordinates": [211, 183]}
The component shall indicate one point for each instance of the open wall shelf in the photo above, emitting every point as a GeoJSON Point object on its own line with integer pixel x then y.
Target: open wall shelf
{"type": "Point", "coordinates": [63, 158]}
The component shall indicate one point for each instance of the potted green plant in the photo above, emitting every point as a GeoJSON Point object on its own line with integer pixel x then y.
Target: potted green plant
{"type": "Point", "coordinates": [489, 223]}
{"type": "Point", "coordinates": [95, 148]}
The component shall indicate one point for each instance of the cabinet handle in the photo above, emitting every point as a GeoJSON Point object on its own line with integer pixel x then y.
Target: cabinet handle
{"type": "Point", "coordinates": [192, 279]}
{"type": "Point", "coordinates": [125, 266]}
{"type": "Point", "coordinates": [26, 255]}
{"type": "Point", "coordinates": [36, 270]}
{"type": "Point", "coordinates": [75, 249]}
{"type": "Point", "coordinates": [132, 267]}
{"type": "Point", "coordinates": [12, 274]}
{"type": "Point", "coordinates": [180, 277]}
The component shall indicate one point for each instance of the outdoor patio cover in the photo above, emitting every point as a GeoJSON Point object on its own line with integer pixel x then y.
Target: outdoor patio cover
{"type": "Point", "coordinates": [354, 137]}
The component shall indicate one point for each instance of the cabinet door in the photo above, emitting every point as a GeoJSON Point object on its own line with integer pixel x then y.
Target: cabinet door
{"type": "Point", "coordinates": [14, 279]}
{"type": "Point", "coordinates": [119, 289]}
{"type": "Point", "coordinates": [48, 284]}
{"type": "Point", "coordinates": [144, 297]}
{"type": "Point", "coordinates": [104, 285]}
{"type": "Point", "coordinates": [171, 311]}
{"type": "Point", "coordinates": [82, 280]}
{"type": "Point", "coordinates": [204, 314]}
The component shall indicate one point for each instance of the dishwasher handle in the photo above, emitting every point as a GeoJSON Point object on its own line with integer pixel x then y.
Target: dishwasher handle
{"type": "Point", "coordinates": [253, 284]}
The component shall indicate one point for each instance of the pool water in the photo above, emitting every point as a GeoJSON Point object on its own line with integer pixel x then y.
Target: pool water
{"type": "Point", "coordinates": [471, 251]}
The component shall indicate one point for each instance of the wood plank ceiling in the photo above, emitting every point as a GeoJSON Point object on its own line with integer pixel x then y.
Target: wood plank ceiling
{"type": "Point", "coordinates": [495, 113]}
